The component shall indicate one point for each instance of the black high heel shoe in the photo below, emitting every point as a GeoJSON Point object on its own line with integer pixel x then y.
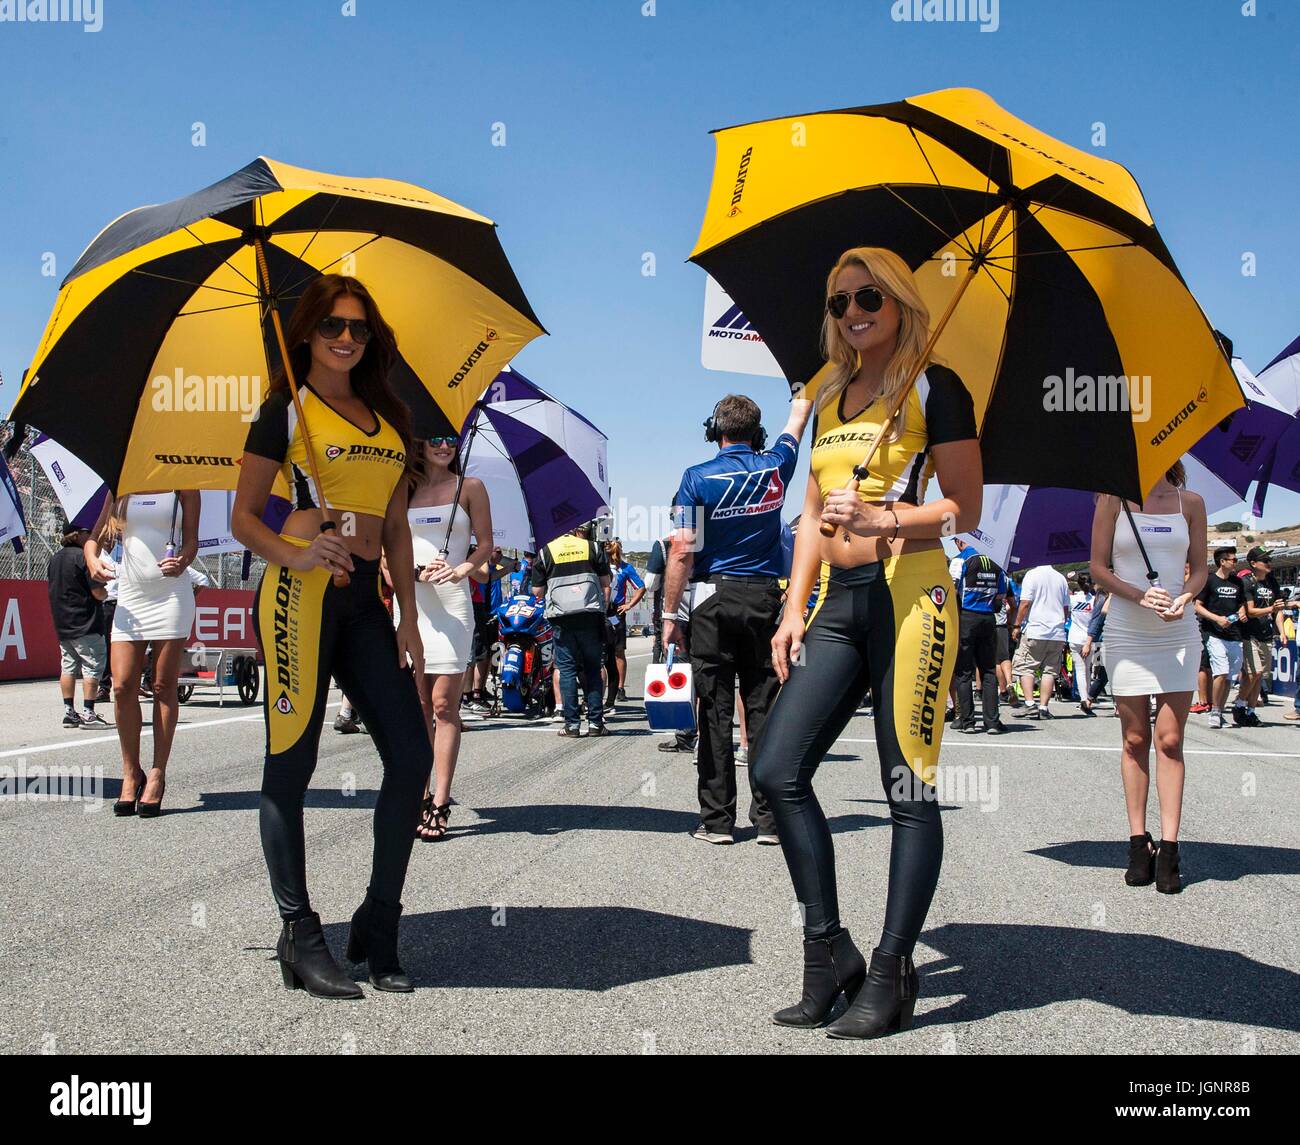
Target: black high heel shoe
{"type": "Point", "coordinates": [1168, 880]}
{"type": "Point", "coordinates": [123, 807]}
{"type": "Point", "coordinates": [151, 810]}
{"type": "Point", "coordinates": [373, 939]}
{"type": "Point", "coordinates": [831, 967]}
{"type": "Point", "coordinates": [885, 1003]}
{"type": "Point", "coordinates": [1141, 861]}
{"type": "Point", "coordinates": [306, 963]}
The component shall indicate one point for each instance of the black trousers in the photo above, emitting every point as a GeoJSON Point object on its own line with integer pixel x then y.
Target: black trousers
{"type": "Point", "coordinates": [731, 642]}
{"type": "Point", "coordinates": [978, 648]}
{"type": "Point", "coordinates": [309, 630]}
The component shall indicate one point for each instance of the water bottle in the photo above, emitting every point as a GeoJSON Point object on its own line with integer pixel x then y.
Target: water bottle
{"type": "Point", "coordinates": [170, 551]}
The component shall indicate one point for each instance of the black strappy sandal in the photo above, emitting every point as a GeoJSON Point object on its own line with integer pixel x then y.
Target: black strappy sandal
{"type": "Point", "coordinates": [436, 818]}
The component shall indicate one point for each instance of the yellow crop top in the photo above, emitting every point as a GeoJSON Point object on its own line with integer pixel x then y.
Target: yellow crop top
{"type": "Point", "coordinates": [939, 410]}
{"type": "Point", "coordinates": [358, 470]}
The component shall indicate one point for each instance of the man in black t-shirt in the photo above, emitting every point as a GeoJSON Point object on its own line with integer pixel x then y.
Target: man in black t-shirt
{"type": "Point", "coordinates": [1263, 603]}
{"type": "Point", "coordinates": [1221, 607]}
{"type": "Point", "coordinates": [79, 625]}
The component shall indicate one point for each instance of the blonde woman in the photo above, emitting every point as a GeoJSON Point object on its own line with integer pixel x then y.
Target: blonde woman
{"type": "Point", "coordinates": [159, 533]}
{"type": "Point", "coordinates": [1152, 648]}
{"type": "Point", "coordinates": [884, 620]}
{"type": "Point", "coordinates": [440, 535]}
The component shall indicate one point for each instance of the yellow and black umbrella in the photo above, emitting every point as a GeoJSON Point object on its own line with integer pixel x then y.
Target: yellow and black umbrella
{"type": "Point", "coordinates": [165, 331]}
{"type": "Point", "coordinates": [1049, 288]}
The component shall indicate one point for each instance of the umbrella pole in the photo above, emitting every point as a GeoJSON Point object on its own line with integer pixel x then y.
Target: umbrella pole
{"type": "Point", "coordinates": [460, 481]}
{"type": "Point", "coordinates": [340, 576]}
{"type": "Point", "coordinates": [860, 471]}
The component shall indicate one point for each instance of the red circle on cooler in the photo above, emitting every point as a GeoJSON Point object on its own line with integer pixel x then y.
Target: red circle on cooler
{"type": "Point", "coordinates": [677, 680]}
{"type": "Point", "coordinates": [655, 688]}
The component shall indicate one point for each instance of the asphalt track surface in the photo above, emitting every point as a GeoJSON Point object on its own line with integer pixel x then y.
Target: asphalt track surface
{"type": "Point", "coordinates": [569, 911]}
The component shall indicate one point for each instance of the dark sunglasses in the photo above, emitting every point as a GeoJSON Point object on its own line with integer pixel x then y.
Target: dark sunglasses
{"type": "Point", "coordinates": [332, 327]}
{"type": "Point", "coordinates": [868, 298]}
{"type": "Point", "coordinates": [449, 439]}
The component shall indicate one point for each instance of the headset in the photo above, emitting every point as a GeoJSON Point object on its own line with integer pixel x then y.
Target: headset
{"type": "Point", "coordinates": [711, 430]}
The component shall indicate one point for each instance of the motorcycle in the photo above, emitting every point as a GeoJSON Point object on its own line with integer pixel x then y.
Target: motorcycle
{"type": "Point", "coordinates": [523, 658]}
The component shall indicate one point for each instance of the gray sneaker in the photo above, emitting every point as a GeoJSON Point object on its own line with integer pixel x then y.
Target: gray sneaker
{"type": "Point", "coordinates": [93, 720]}
{"type": "Point", "coordinates": [715, 837]}
{"type": "Point", "coordinates": [767, 840]}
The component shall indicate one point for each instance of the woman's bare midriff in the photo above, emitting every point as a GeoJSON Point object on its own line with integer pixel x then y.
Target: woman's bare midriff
{"type": "Point", "coordinates": [363, 533]}
{"type": "Point", "coordinates": [866, 550]}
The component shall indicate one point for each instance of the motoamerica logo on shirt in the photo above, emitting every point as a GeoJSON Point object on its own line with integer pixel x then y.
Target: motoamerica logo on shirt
{"type": "Point", "coordinates": [749, 491]}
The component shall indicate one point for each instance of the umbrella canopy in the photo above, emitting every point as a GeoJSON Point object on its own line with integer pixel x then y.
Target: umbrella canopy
{"type": "Point", "coordinates": [1073, 291]}
{"type": "Point", "coordinates": [159, 348]}
{"type": "Point", "coordinates": [543, 463]}
{"type": "Point", "coordinates": [82, 495]}
{"type": "Point", "coordinates": [1281, 466]}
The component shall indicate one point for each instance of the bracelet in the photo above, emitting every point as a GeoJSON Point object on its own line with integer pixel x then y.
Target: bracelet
{"type": "Point", "coordinates": [665, 615]}
{"type": "Point", "coordinates": [897, 526]}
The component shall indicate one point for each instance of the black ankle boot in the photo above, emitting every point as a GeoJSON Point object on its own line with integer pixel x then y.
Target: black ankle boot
{"type": "Point", "coordinates": [373, 939]}
{"type": "Point", "coordinates": [1141, 860]}
{"type": "Point", "coordinates": [306, 963]}
{"type": "Point", "coordinates": [885, 1003]}
{"type": "Point", "coordinates": [831, 966]}
{"type": "Point", "coordinates": [1168, 881]}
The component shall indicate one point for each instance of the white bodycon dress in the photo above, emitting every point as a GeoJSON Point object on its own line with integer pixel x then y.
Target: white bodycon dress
{"type": "Point", "coordinates": [151, 606]}
{"type": "Point", "coordinates": [446, 611]}
{"type": "Point", "coordinates": [1144, 655]}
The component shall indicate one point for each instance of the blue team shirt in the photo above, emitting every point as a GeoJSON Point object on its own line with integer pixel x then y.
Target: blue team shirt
{"type": "Point", "coordinates": [733, 503]}
{"type": "Point", "coordinates": [618, 587]}
{"type": "Point", "coordinates": [981, 581]}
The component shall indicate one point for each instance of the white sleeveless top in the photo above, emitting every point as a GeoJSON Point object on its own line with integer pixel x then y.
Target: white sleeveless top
{"type": "Point", "coordinates": [1165, 537]}
{"type": "Point", "coordinates": [429, 533]}
{"type": "Point", "coordinates": [144, 540]}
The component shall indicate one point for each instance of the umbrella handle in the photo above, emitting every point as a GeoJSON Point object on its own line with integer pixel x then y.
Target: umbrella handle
{"type": "Point", "coordinates": [339, 577]}
{"type": "Point", "coordinates": [860, 472]}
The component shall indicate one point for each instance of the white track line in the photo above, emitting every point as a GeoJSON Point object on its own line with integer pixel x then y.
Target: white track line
{"type": "Point", "coordinates": [1003, 745]}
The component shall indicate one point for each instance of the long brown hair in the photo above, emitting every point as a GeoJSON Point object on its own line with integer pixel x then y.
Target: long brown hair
{"type": "Point", "coordinates": [369, 377]}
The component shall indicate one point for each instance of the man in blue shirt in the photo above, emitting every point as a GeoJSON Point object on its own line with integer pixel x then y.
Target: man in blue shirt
{"type": "Point", "coordinates": [982, 586]}
{"type": "Point", "coordinates": [727, 559]}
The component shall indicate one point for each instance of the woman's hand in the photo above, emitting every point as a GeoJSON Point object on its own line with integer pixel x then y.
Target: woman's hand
{"type": "Point", "coordinates": [1087, 646]}
{"type": "Point", "coordinates": [1175, 610]}
{"type": "Point", "coordinates": [409, 644]}
{"type": "Point", "coordinates": [429, 572]}
{"type": "Point", "coordinates": [446, 574]}
{"type": "Point", "coordinates": [787, 645]}
{"type": "Point", "coordinates": [844, 509]}
{"type": "Point", "coordinates": [171, 566]}
{"type": "Point", "coordinates": [1156, 597]}
{"type": "Point", "coordinates": [326, 551]}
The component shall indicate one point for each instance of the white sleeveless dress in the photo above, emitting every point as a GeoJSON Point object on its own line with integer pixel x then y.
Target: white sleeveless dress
{"type": "Point", "coordinates": [151, 606]}
{"type": "Point", "coordinates": [445, 611]}
{"type": "Point", "coordinates": [1144, 655]}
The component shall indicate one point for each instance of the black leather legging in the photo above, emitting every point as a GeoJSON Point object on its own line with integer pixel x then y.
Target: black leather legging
{"type": "Point", "coordinates": [891, 626]}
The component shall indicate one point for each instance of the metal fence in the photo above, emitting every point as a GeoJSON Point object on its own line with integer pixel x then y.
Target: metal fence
{"type": "Point", "coordinates": [45, 519]}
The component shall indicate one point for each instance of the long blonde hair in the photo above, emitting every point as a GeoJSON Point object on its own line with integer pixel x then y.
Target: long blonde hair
{"type": "Point", "coordinates": [895, 278]}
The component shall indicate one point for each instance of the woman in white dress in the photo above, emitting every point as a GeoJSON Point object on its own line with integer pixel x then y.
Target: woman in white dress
{"type": "Point", "coordinates": [444, 562]}
{"type": "Point", "coordinates": [1152, 648]}
{"type": "Point", "coordinates": [159, 533]}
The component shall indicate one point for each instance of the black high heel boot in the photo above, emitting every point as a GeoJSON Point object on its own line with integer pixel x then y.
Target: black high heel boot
{"type": "Point", "coordinates": [306, 963]}
{"type": "Point", "coordinates": [373, 939]}
{"type": "Point", "coordinates": [1168, 880]}
{"type": "Point", "coordinates": [1141, 860]}
{"type": "Point", "coordinates": [831, 966]}
{"type": "Point", "coordinates": [885, 1003]}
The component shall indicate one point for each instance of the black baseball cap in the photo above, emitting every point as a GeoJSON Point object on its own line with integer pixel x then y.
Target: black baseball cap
{"type": "Point", "coordinates": [1259, 554]}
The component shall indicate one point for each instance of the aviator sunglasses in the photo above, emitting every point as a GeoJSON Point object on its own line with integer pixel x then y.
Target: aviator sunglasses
{"type": "Point", "coordinates": [332, 326]}
{"type": "Point", "coordinates": [868, 298]}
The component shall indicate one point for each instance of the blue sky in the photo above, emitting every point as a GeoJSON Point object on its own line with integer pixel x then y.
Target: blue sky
{"type": "Point", "coordinates": [607, 157]}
